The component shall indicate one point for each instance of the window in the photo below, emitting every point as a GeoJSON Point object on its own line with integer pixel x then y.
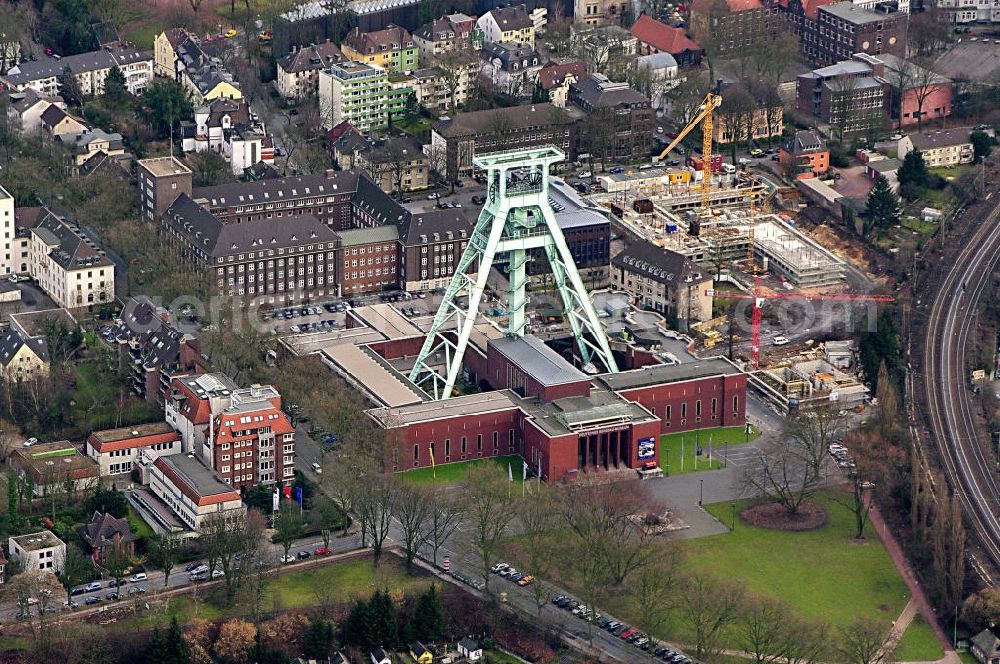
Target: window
{"type": "Point", "coordinates": [416, 454]}
{"type": "Point", "coordinates": [496, 443]}
{"type": "Point", "coordinates": [684, 410]}
{"type": "Point", "coordinates": [714, 407]}
{"type": "Point", "coordinates": [697, 408]}
{"type": "Point", "coordinates": [447, 448]}
{"type": "Point", "coordinates": [463, 446]}
{"type": "Point", "coordinates": [736, 404]}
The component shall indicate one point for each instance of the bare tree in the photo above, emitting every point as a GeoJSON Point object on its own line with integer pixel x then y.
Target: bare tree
{"type": "Point", "coordinates": [653, 588]}
{"type": "Point", "coordinates": [608, 518]}
{"type": "Point", "coordinates": [412, 508]}
{"type": "Point", "coordinates": [806, 643]}
{"type": "Point", "coordinates": [195, 5]}
{"type": "Point", "coordinates": [446, 514]}
{"type": "Point", "coordinates": [762, 629]}
{"type": "Point", "coordinates": [490, 510]}
{"type": "Point", "coordinates": [288, 526]}
{"type": "Point", "coordinates": [865, 641]}
{"type": "Point", "coordinates": [709, 608]}
{"type": "Point", "coordinates": [457, 68]}
{"type": "Point", "coordinates": [374, 499]}
{"type": "Point", "coordinates": [789, 468]}
{"type": "Point", "coordinates": [232, 542]}
{"type": "Point", "coordinates": [538, 517]}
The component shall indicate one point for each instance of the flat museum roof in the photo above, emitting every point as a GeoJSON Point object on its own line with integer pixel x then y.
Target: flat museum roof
{"type": "Point", "coordinates": [663, 373]}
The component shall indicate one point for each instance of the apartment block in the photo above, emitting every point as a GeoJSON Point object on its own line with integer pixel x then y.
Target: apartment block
{"type": "Point", "coordinates": [355, 92]}
{"type": "Point", "coordinates": [253, 439]}
{"type": "Point", "coordinates": [392, 48]}
{"type": "Point", "coordinates": [160, 181]}
{"type": "Point", "coordinates": [89, 69]}
{"type": "Point", "coordinates": [298, 72]}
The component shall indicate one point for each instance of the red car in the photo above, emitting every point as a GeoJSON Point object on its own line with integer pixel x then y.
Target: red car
{"type": "Point", "coordinates": [322, 551]}
{"type": "Point", "coordinates": [671, 134]}
{"type": "Point", "coordinates": [629, 632]}
{"type": "Point", "coordinates": [48, 52]}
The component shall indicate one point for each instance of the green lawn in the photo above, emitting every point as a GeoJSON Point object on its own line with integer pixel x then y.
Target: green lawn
{"type": "Point", "coordinates": [345, 582]}
{"type": "Point", "coordinates": [500, 657]}
{"type": "Point", "coordinates": [453, 473]}
{"type": "Point", "coordinates": [820, 573]}
{"type": "Point", "coordinates": [919, 643]}
{"type": "Point", "coordinates": [722, 439]}
{"type": "Point", "coordinates": [143, 35]}
{"type": "Point", "coordinates": [138, 525]}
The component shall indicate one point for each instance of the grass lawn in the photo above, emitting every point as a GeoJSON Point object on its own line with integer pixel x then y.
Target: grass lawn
{"type": "Point", "coordinates": [722, 438]}
{"type": "Point", "coordinates": [951, 173]}
{"type": "Point", "coordinates": [418, 126]}
{"type": "Point", "coordinates": [453, 473]}
{"type": "Point", "coordinates": [143, 34]}
{"type": "Point", "coordinates": [919, 644]}
{"type": "Point", "coordinates": [345, 581]}
{"type": "Point", "coordinates": [820, 573]}
{"type": "Point", "coordinates": [138, 525]}
{"type": "Point", "coordinates": [500, 657]}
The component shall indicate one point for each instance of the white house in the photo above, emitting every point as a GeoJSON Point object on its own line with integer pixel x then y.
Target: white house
{"type": "Point", "coordinates": [380, 656]}
{"type": "Point", "coordinates": [507, 24]}
{"type": "Point", "coordinates": [298, 72]}
{"type": "Point", "coordinates": [662, 72]}
{"type": "Point", "coordinates": [470, 649]}
{"type": "Point", "coordinates": [115, 450]}
{"type": "Point", "coordinates": [945, 147]}
{"type": "Point", "coordinates": [192, 491]}
{"type": "Point", "coordinates": [24, 109]}
{"type": "Point", "coordinates": [38, 551]}
{"type": "Point", "coordinates": [89, 69]}
{"type": "Point", "coordinates": [229, 127]}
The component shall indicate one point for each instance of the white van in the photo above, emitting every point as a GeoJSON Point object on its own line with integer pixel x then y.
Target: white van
{"type": "Point", "coordinates": [728, 169]}
{"type": "Point", "coordinates": [781, 341]}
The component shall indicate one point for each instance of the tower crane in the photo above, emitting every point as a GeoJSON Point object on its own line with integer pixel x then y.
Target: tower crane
{"type": "Point", "coordinates": [711, 102]}
{"type": "Point", "coordinates": [758, 298]}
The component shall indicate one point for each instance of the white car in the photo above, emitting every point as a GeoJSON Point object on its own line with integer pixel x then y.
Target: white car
{"type": "Point", "coordinates": [30, 442]}
{"type": "Point", "coordinates": [895, 137]}
{"type": "Point", "coordinates": [584, 174]}
{"type": "Point", "coordinates": [287, 559]}
{"type": "Point", "coordinates": [217, 574]}
{"type": "Point", "coordinates": [139, 576]}
{"type": "Point", "coordinates": [780, 341]}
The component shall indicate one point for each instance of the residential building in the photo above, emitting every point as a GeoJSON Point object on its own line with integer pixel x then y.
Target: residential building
{"type": "Point", "coordinates": [599, 12]}
{"type": "Point", "coordinates": [662, 73]}
{"type": "Point", "coordinates": [400, 99]}
{"type": "Point", "coordinates": [193, 492]}
{"type": "Point", "coordinates": [65, 261]}
{"type": "Point", "coordinates": [298, 72]}
{"type": "Point", "coordinates": [657, 37]}
{"type": "Point", "coordinates": [367, 260]}
{"type": "Point", "coordinates": [445, 35]}
{"type": "Point", "coordinates": [23, 358]}
{"type": "Point", "coordinates": [105, 534]}
{"type": "Point", "coordinates": [191, 404]}
{"type": "Point", "coordinates": [8, 225]}
{"type": "Point", "coordinates": [179, 55]}
{"type": "Point", "coordinates": [420, 653]}
{"type": "Point", "coordinates": [556, 76]}
{"type": "Point", "coordinates": [804, 155]}
{"type": "Point", "coordinates": [916, 94]}
{"type": "Point", "coordinates": [229, 127]}
{"type": "Point", "coordinates": [391, 48]}
{"type": "Point", "coordinates": [766, 121]}
{"type": "Point", "coordinates": [603, 46]}
{"type": "Point", "coordinates": [507, 24]}
{"type": "Point", "coordinates": [355, 92]}
{"type": "Point", "coordinates": [160, 181]}
{"type": "Point", "coordinates": [843, 29]}
{"type": "Point", "coordinates": [511, 68]}
{"type": "Point", "coordinates": [454, 141]}
{"type": "Point", "coordinates": [41, 551]}
{"type": "Point", "coordinates": [942, 148]}
{"type": "Point", "coordinates": [152, 350]}
{"type": "Point", "coordinates": [89, 70]}
{"type": "Point", "coordinates": [985, 646]}
{"type": "Point", "coordinates": [431, 244]}
{"type": "Point", "coordinates": [970, 11]}
{"type": "Point", "coordinates": [344, 144]}
{"type": "Point", "coordinates": [626, 114]}
{"type": "Point", "coordinates": [735, 25]}
{"type": "Point", "coordinates": [397, 165]}
{"type": "Point", "coordinates": [116, 450]}
{"type": "Point", "coordinates": [55, 121]}
{"type": "Point", "coordinates": [52, 467]}
{"type": "Point", "coordinates": [664, 281]}
{"type": "Point", "coordinates": [84, 145]}
{"type": "Point", "coordinates": [438, 90]}
{"type": "Point", "coordinates": [252, 439]}
{"type": "Point", "coordinates": [846, 95]}
{"type": "Point", "coordinates": [380, 656]}
{"type": "Point", "coordinates": [470, 649]}
{"type": "Point", "coordinates": [25, 109]}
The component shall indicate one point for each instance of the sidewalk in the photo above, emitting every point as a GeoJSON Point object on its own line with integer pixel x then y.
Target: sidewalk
{"type": "Point", "coordinates": [919, 598]}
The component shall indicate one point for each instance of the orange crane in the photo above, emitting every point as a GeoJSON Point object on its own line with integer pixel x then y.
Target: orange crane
{"type": "Point", "coordinates": [711, 102]}
{"type": "Point", "coordinates": [758, 298]}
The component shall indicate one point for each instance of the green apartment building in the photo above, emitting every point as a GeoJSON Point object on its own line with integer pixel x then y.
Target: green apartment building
{"type": "Point", "coordinates": [355, 92]}
{"type": "Point", "coordinates": [391, 48]}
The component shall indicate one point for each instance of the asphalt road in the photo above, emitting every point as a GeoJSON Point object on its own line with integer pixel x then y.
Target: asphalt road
{"type": "Point", "coordinates": [950, 405]}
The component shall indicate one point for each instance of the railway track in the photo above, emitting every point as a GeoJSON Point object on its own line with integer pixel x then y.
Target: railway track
{"type": "Point", "coordinates": [949, 404]}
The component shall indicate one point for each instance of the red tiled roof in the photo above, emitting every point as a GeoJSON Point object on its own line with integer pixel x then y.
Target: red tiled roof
{"type": "Point", "coordinates": [553, 73]}
{"type": "Point", "coordinates": [705, 6]}
{"type": "Point", "coordinates": [662, 37]}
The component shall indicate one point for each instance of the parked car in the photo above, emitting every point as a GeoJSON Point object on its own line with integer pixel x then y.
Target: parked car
{"type": "Point", "coordinates": [31, 441]}
{"type": "Point", "coordinates": [322, 551]}
{"type": "Point", "coordinates": [616, 170]}
{"type": "Point", "coordinates": [780, 341]}
{"type": "Point", "coordinates": [525, 580]}
{"type": "Point", "coordinates": [90, 601]}
{"type": "Point", "coordinates": [287, 559]}
{"type": "Point", "coordinates": [200, 576]}
{"type": "Point", "coordinates": [217, 574]}
{"type": "Point", "coordinates": [198, 568]}
{"type": "Point", "coordinates": [302, 555]}
{"type": "Point", "coordinates": [92, 586]}
{"type": "Point", "coordinates": [112, 596]}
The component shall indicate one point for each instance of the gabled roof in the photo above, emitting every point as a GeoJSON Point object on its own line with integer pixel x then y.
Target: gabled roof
{"type": "Point", "coordinates": [512, 118]}
{"type": "Point", "coordinates": [596, 91]}
{"type": "Point", "coordinates": [511, 18]}
{"type": "Point", "coordinates": [662, 37]}
{"type": "Point", "coordinates": [511, 53]}
{"type": "Point", "coordinates": [48, 67]}
{"type": "Point", "coordinates": [454, 26]}
{"type": "Point", "coordinates": [70, 246]}
{"type": "Point", "coordinates": [12, 342]}
{"type": "Point", "coordinates": [468, 644]}
{"type": "Point", "coordinates": [104, 529]}
{"type": "Point", "coordinates": [943, 138]}
{"type": "Point", "coordinates": [987, 642]}
{"type": "Point", "coordinates": [553, 73]}
{"type": "Point", "coordinates": [390, 38]}
{"type": "Point", "coordinates": [22, 101]}
{"type": "Point", "coordinates": [307, 58]}
{"type": "Point", "coordinates": [661, 265]}
{"type": "Point", "coordinates": [804, 142]}
{"type": "Point", "coordinates": [433, 223]}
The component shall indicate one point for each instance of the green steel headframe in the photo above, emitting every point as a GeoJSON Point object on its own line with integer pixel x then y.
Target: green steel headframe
{"type": "Point", "coordinates": [516, 218]}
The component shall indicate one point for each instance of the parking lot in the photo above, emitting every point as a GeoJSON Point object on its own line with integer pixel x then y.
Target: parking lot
{"type": "Point", "coordinates": [971, 60]}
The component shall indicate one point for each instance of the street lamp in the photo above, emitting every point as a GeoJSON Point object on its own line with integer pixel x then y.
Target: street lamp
{"type": "Point", "coordinates": [701, 492]}
{"type": "Point", "coordinates": [733, 529]}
